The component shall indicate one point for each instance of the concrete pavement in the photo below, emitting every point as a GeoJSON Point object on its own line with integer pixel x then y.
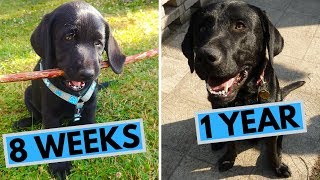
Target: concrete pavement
{"type": "Point", "coordinates": [184, 93]}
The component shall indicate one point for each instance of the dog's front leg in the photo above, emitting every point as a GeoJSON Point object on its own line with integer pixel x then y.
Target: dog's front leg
{"type": "Point", "coordinates": [226, 162]}
{"type": "Point", "coordinates": [217, 146]}
{"type": "Point", "coordinates": [281, 169]}
{"type": "Point", "coordinates": [51, 120]}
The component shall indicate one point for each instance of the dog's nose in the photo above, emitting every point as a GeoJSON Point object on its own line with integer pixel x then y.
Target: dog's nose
{"type": "Point", "coordinates": [86, 74]}
{"type": "Point", "coordinates": [211, 55]}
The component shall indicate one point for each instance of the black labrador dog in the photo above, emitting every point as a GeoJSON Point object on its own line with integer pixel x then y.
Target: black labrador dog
{"type": "Point", "coordinates": [226, 46]}
{"type": "Point", "coordinates": [72, 38]}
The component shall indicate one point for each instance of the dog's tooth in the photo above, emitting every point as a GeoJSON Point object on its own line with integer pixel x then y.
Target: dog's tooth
{"type": "Point", "coordinates": [226, 87]}
{"type": "Point", "coordinates": [209, 89]}
{"type": "Point", "coordinates": [224, 93]}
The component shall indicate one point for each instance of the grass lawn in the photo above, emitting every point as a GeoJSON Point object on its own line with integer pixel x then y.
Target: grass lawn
{"type": "Point", "coordinates": [134, 94]}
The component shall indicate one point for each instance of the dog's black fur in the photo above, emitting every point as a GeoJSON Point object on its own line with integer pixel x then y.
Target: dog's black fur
{"type": "Point", "coordinates": [73, 38]}
{"type": "Point", "coordinates": [226, 43]}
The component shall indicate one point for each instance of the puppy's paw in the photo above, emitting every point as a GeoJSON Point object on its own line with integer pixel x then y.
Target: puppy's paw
{"type": "Point", "coordinates": [225, 165]}
{"type": "Point", "coordinates": [24, 123]}
{"type": "Point", "coordinates": [60, 170]}
{"type": "Point", "coordinates": [217, 146]}
{"type": "Point", "coordinates": [283, 171]}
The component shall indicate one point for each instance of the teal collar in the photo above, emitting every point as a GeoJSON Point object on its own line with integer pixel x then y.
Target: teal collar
{"type": "Point", "coordinates": [78, 101]}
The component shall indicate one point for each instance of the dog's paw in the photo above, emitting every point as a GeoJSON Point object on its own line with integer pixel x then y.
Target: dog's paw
{"type": "Point", "coordinates": [283, 171]}
{"type": "Point", "coordinates": [22, 123]}
{"type": "Point", "coordinates": [225, 165]}
{"type": "Point", "coordinates": [217, 146]}
{"type": "Point", "coordinates": [60, 170]}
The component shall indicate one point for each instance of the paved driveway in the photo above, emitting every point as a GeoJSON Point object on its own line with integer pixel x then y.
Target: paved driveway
{"type": "Point", "coordinates": [183, 93]}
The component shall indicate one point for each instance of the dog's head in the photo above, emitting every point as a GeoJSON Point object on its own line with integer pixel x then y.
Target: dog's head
{"type": "Point", "coordinates": [226, 45]}
{"type": "Point", "coordinates": [73, 38]}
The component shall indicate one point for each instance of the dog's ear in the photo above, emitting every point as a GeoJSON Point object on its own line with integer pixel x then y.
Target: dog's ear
{"type": "Point", "coordinates": [41, 39]}
{"type": "Point", "coordinates": [272, 36]}
{"type": "Point", "coordinates": [187, 47]}
{"type": "Point", "coordinates": [115, 56]}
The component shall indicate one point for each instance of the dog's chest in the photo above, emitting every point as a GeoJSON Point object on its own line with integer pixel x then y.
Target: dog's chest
{"type": "Point", "coordinates": [245, 98]}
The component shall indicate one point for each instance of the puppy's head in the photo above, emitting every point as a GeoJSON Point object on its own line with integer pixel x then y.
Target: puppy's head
{"type": "Point", "coordinates": [73, 38]}
{"type": "Point", "coordinates": [226, 45]}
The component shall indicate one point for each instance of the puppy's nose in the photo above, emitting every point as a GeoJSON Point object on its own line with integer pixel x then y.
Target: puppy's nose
{"type": "Point", "coordinates": [86, 74]}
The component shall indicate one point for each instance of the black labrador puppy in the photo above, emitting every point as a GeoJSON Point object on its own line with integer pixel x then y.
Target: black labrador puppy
{"type": "Point", "coordinates": [72, 38]}
{"type": "Point", "coordinates": [226, 45]}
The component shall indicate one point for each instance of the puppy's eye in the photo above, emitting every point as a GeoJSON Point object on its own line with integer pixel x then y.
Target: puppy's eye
{"type": "Point", "coordinates": [69, 37]}
{"type": "Point", "coordinates": [207, 24]}
{"type": "Point", "coordinates": [204, 29]}
{"type": "Point", "coordinates": [98, 43]}
{"type": "Point", "coordinates": [239, 26]}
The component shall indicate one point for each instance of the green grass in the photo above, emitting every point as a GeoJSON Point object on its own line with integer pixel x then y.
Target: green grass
{"type": "Point", "coordinates": [134, 94]}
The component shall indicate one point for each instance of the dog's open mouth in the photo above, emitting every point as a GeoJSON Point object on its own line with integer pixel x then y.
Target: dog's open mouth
{"type": "Point", "coordinates": [75, 85]}
{"type": "Point", "coordinates": [224, 87]}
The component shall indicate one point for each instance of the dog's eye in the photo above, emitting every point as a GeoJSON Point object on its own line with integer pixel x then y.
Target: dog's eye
{"type": "Point", "coordinates": [239, 26]}
{"type": "Point", "coordinates": [69, 37]}
{"type": "Point", "coordinates": [204, 29]}
{"type": "Point", "coordinates": [98, 43]}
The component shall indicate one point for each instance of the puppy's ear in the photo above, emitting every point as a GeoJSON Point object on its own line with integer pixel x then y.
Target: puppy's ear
{"type": "Point", "coordinates": [187, 47]}
{"type": "Point", "coordinates": [115, 56]}
{"type": "Point", "coordinates": [41, 39]}
{"type": "Point", "coordinates": [272, 37]}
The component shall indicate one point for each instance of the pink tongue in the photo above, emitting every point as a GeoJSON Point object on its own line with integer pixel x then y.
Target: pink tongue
{"type": "Point", "coordinates": [76, 83]}
{"type": "Point", "coordinates": [223, 85]}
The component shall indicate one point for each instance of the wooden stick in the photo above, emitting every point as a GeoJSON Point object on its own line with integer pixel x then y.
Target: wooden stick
{"type": "Point", "coordinates": [52, 73]}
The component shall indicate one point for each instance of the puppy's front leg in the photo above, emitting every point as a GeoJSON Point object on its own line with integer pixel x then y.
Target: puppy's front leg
{"type": "Point", "coordinates": [281, 169]}
{"type": "Point", "coordinates": [51, 120]}
{"type": "Point", "coordinates": [60, 170]}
